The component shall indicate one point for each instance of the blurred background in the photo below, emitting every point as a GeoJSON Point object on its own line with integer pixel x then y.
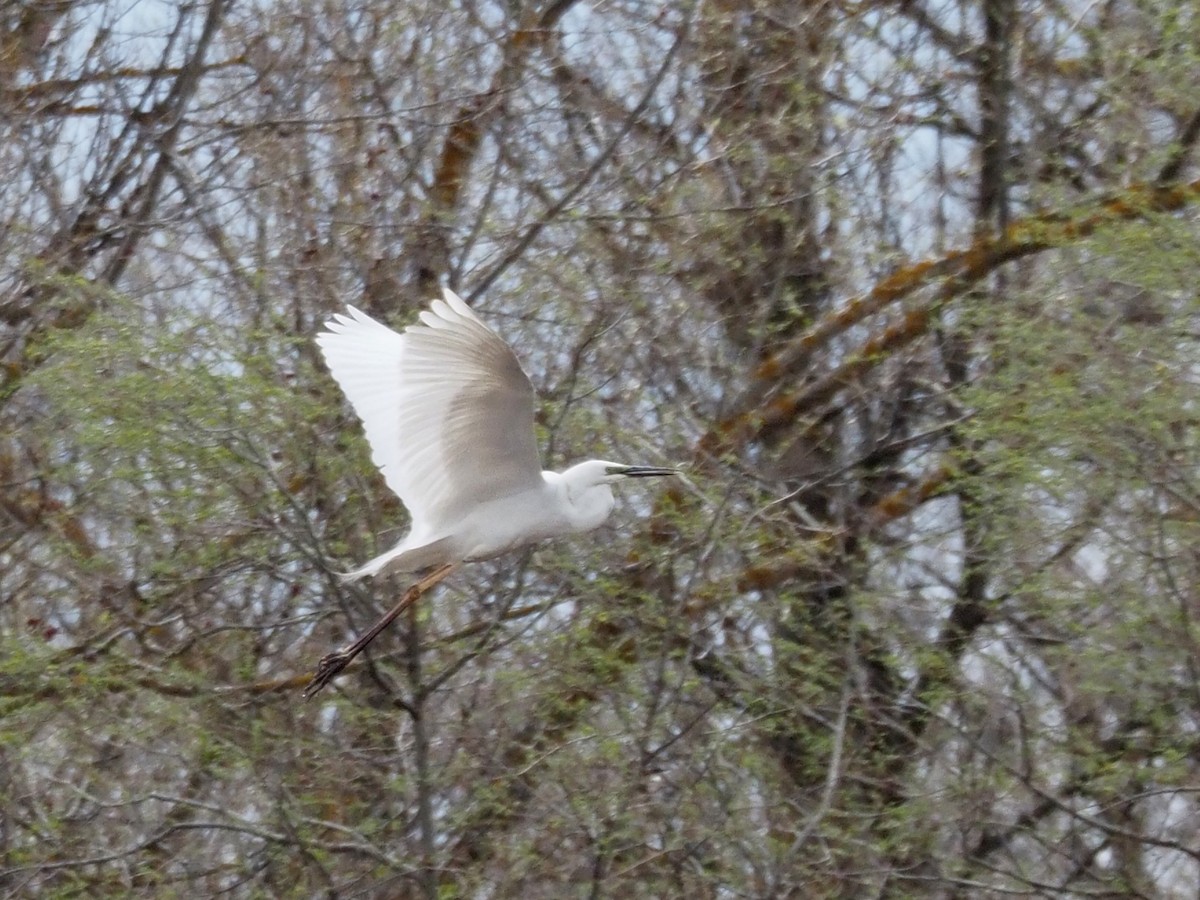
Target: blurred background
{"type": "Point", "coordinates": [907, 288]}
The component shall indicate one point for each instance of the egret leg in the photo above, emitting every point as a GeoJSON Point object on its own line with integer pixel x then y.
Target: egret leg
{"type": "Point", "coordinates": [333, 663]}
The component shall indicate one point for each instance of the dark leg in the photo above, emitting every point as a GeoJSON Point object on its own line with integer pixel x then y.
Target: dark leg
{"type": "Point", "coordinates": [332, 663]}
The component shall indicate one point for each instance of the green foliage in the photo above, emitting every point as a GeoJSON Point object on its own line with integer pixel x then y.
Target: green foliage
{"type": "Point", "coordinates": [926, 630]}
{"type": "Point", "coordinates": [1083, 428]}
{"type": "Point", "coordinates": [177, 430]}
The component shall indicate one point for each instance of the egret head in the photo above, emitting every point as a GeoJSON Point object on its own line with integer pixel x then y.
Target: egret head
{"type": "Point", "coordinates": [589, 496]}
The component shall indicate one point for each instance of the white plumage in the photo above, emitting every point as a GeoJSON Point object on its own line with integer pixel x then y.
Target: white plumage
{"type": "Point", "coordinates": [448, 413]}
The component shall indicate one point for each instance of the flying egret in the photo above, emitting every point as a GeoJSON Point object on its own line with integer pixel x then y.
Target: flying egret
{"type": "Point", "coordinates": [448, 413]}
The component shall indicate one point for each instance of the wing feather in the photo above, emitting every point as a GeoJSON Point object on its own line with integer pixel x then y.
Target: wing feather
{"type": "Point", "coordinates": [446, 408]}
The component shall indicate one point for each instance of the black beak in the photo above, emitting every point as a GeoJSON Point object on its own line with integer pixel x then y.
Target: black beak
{"type": "Point", "coordinates": [646, 471]}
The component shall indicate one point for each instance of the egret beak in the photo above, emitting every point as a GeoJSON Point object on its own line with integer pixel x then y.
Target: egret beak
{"type": "Point", "coordinates": [645, 471]}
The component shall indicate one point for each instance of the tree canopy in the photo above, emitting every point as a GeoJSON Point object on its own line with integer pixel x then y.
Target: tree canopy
{"type": "Point", "coordinates": [908, 290]}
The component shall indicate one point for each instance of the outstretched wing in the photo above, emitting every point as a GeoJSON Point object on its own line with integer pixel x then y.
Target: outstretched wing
{"type": "Point", "coordinates": [447, 410]}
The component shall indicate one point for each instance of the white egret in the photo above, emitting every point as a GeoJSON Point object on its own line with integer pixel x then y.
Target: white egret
{"type": "Point", "coordinates": [448, 413]}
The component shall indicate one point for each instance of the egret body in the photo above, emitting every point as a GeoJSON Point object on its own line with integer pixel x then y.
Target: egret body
{"type": "Point", "coordinates": [448, 413]}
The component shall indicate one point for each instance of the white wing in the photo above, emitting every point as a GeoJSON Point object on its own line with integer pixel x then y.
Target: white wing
{"type": "Point", "coordinates": [447, 410]}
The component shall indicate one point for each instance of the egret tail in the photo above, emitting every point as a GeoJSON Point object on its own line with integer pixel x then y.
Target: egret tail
{"type": "Point", "coordinates": [403, 558]}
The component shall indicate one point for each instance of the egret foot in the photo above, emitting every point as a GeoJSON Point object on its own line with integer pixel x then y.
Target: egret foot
{"type": "Point", "coordinates": [328, 668]}
{"type": "Point", "coordinates": [334, 662]}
